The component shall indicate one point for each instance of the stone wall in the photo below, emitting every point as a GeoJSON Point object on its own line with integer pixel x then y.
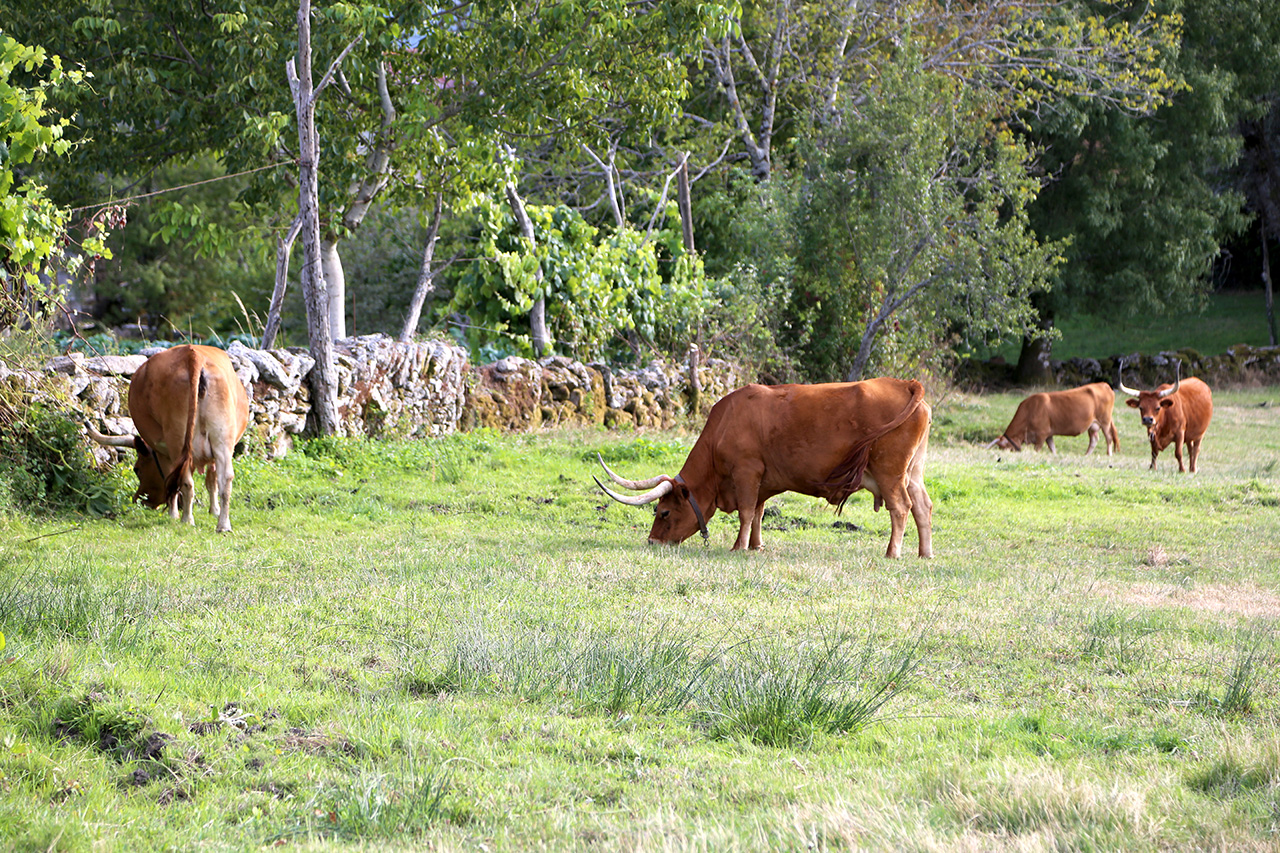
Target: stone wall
{"type": "Point", "coordinates": [1240, 366]}
{"type": "Point", "coordinates": [417, 389]}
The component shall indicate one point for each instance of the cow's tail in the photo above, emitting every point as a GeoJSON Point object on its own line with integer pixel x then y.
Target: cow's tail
{"type": "Point", "coordinates": [847, 478]}
{"type": "Point", "coordinates": [182, 467]}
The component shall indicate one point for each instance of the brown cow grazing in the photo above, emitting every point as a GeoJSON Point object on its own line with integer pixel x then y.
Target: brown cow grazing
{"type": "Point", "coordinates": [189, 409]}
{"type": "Point", "coordinates": [822, 440]}
{"type": "Point", "coordinates": [1042, 416]}
{"type": "Point", "coordinates": [1177, 414]}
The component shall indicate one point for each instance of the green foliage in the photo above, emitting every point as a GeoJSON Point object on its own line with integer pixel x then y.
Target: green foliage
{"type": "Point", "coordinates": [1139, 197]}
{"type": "Point", "coordinates": [33, 229]}
{"type": "Point", "coordinates": [45, 465]}
{"type": "Point", "coordinates": [192, 262]}
{"type": "Point", "coordinates": [910, 231]}
{"type": "Point", "coordinates": [601, 289]}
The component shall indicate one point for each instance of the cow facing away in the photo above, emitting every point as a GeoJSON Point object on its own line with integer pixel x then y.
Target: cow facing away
{"type": "Point", "coordinates": [189, 409]}
{"type": "Point", "coordinates": [1174, 414]}
{"type": "Point", "coordinates": [823, 440]}
{"type": "Point", "coordinates": [1042, 416]}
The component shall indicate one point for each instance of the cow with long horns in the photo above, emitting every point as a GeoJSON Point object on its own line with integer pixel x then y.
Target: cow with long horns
{"type": "Point", "coordinates": [1174, 414]}
{"type": "Point", "coordinates": [828, 441]}
{"type": "Point", "coordinates": [190, 409]}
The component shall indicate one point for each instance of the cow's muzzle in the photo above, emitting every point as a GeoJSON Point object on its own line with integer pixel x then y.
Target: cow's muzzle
{"type": "Point", "coordinates": [1148, 421]}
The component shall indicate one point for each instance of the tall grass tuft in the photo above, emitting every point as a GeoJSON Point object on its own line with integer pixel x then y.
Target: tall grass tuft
{"type": "Point", "coordinates": [372, 805]}
{"type": "Point", "coordinates": [76, 605]}
{"type": "Point", "coordinates": [776, 696]}
{"type": "Point", "coordinates": [1237, 697]}
{"type": "Point", "coordinates": [765, 692]}
{"type": "Point", "coordinates": [1115, 638]}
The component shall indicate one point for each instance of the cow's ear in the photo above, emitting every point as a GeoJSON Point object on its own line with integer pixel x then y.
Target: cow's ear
{"type": "Point", "coordinates": [1131, 403]}
{"type": "Point", "coordinates": [1164, 404]}
{"type": "Point", "coordinates": [141, 446]}
{"type": "Point", "coordinates": [684, 491]}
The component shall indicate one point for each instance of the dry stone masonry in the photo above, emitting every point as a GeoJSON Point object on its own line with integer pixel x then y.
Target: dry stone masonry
{"type": "Point", "coordinates": [417, 389]}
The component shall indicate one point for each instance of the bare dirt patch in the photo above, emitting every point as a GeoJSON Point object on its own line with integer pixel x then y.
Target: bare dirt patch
{"type": "Point", "coordinates": [1248, 600]}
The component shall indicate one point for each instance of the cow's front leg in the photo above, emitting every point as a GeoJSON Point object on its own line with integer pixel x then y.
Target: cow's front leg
{"type": "Point", "coordinates": [1155, 451]}
{"type": "Point", "coordinates": [755, 526]}
{"type": "Point", "coordinates": [746, 520]}
{"type": "Point", "coordinates": [746, 494]}
{"type": "Point", "coordinates": [187, 491]}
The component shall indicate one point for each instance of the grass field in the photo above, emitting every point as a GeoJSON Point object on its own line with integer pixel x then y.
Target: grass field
{"type": "Point", "coordinates": [461, 644]}
{"type": "Point", "coordinates": [1230, 318]}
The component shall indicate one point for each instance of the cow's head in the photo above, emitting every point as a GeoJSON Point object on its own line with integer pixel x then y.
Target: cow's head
{"type": "Point", "coordinates": [1150, 403]}
{"type": "Point", "coordinates": [151, 480]}
{"type": "Point", "coordinates": [677, 514]}
{"type": "Point", "coordinates": [1006, 443]}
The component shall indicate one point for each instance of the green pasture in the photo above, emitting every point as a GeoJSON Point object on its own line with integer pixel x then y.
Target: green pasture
{"type": "Point", "coordinates": [460, 644]}
{"type": "Point", "coordinates": [1230, 317]}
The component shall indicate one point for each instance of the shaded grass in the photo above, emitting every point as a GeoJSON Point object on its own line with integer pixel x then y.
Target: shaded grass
{"type": "Point", "coordinates": [1229, 318]}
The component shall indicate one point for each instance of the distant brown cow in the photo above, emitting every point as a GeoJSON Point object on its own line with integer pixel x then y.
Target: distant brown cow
{"type": "Point", "coordinates": [1042, 416]}
{"type": "Point", "coordinates": [190, 410]}
{"type": "Point", "coordinates": [1175, 414]}
{"type": "Point", "coordinates": [823, 440]}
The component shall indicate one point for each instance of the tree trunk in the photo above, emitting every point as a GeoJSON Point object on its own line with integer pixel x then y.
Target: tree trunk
{"type": "Point", "coordinates": [1266, 284]}
{"type": "Point", "coordinates": [1033, 361]}
{"type": "Point", "coordinates": [362, 194]}
{"type": "Point", "coordinates": [324, 385]}
{"type": "Point", "coordinates": [335, 282]}
{"type": "Point", "coordinates": [426, 276]}
{"type": "Point", "coordinates": [685, 202]}
{"type": "Point", "coordinates": [538, 314]}
{"type": "Point", "coordinates": [284, 247]}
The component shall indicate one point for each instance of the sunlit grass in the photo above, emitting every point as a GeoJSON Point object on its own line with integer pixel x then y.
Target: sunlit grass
{"type": "Point", "coordinates": [462, 642]}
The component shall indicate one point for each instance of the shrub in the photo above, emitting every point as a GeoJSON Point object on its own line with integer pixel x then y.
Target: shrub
{"type": "Point", "coordinates": [45, 465]}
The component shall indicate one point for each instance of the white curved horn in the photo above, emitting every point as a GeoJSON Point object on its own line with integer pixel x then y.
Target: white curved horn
{"type": "Point", "coordinates": [1125, 388]}
{"type": "Point", "coordinates": [993, 443]}
{"type": "Point", "coordinates": [109, 440]}
{"type": "Point", "coordinates": [639, 500]}
{"type": "Point", "coordinates": [629, 484]}
{"type": "Point", "coordinates": [1176, 382]}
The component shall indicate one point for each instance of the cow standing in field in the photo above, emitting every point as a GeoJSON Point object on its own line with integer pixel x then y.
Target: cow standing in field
{"type": "Point", "coordinates": [1042, 416]}
{"type": "Point", "coordinates": [828, 441]}
{"type": "Point", "coordinates": [189, 409]}
{"type": "Point", "coordinates": [1174, 414]}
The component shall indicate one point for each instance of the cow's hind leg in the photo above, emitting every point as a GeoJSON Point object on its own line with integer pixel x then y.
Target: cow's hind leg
{"type": "Point", "coordinates": [225, 475]}
{"type": "Point", "coordinates": [211, 486]}
{"type": "Point", "coordinates": [1094, 429]}
{"type": "Point", "coordinates": [921, 505]}
{"type": "Point", "coordinates": [1193, 451]}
